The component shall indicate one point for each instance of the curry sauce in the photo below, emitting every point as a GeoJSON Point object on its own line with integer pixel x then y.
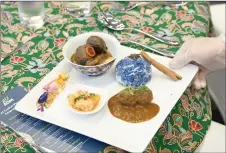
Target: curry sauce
{"type": "Point", "coordinates": [133, 105]}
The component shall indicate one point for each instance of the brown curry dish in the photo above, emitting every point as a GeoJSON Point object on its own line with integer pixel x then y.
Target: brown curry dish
{"type": "Point", "coordinates": [94, 52]}
{"type": "Point", "coordinates": [133, 105]}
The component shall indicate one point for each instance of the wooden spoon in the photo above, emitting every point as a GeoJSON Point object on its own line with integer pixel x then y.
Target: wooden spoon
{"type": "Point", "coordinates": [173, 75]}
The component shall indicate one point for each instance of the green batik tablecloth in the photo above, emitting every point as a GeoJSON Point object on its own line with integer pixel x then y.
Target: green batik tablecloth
{"type": "Point", "coordinates": [184, 128]}
{"type": "Point", "coordinates": [12, 142]}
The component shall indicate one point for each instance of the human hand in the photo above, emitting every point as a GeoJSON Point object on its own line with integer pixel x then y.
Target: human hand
{"type": "Point", "coordinates": [199, 81]}
{"type": "Point", "coordinates": [207, 53]}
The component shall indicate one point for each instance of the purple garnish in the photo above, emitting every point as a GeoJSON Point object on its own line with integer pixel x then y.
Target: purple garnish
{"type": "Point", "coordinates": [43, 98]}
{"type": "Point", "coordinates": [40, 109]}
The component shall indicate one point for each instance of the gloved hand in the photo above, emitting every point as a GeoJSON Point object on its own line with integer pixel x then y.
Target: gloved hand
{"type": "Point", "coordinates": [207, 53]}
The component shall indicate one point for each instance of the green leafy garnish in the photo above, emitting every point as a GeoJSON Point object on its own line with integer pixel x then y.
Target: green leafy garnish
{"type": "Point", "coordinates": [83, 96]}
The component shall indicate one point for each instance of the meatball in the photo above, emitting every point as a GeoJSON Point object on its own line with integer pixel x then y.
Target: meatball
{"type": "Point", "coordinates": [127, 100]}
{"type": "Point", "coordinates": [97, 43]}
{"type": "Point", "coordinates": [80, 56]}
{"type": "Point", "coordinates": [144, 98]}
{"type": "Point", "coordinates": [136, 96]}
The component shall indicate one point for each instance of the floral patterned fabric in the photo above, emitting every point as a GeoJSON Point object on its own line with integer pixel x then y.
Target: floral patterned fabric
{"type": "Point", "coordinates": [184, 128]}
{"type": "Point", "coordinates": [12, 142]}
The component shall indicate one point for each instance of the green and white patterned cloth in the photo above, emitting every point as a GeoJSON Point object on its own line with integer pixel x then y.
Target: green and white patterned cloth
{"type": "Point", "coordinates": [185, 127]}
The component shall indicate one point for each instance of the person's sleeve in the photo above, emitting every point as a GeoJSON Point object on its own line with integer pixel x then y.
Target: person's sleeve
{"type": "Point", "coordinates": [221, 54]}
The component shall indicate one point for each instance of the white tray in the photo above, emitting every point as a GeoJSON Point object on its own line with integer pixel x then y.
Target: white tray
{"type": "Point", "coordinates": [102, 125]}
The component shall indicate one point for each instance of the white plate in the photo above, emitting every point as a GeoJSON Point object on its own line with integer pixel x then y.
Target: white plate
{"type": "Point", "coordinates": [102, 125]}
{"type": "Point", "coordinates": [72, 88]}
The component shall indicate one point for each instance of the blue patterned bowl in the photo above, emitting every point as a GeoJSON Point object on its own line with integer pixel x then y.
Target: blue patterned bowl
{"type": "Point", "coordinates": [72, 44]}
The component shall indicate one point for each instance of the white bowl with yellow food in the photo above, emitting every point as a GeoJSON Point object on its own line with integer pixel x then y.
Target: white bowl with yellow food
{"type": "Point", "coordinates": [86, 100]}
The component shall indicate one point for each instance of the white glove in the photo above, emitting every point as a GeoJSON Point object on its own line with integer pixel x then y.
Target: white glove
{"type": "Point", "coordinates": [207, 53]}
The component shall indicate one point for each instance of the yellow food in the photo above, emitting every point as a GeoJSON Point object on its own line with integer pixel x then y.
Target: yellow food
{"type": "Point", "coordinates": [83, 101]}
{"type": "Point", "coordinates": [63, 75]}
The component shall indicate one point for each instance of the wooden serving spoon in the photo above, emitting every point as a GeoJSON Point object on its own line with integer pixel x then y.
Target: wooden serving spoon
{"type": "Point", "coordinates": [173, 75]}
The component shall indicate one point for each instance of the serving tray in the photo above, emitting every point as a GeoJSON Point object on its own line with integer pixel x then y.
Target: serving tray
{"type": "Point", "coordinates": [102, 126]}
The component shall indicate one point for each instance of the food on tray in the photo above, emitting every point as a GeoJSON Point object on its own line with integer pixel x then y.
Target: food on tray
{"type": "Point", "coordinates": [133, 71]}
{"type": "Point", "coordinates": [133, 105]}
{"type": "Point", "coordinates": [52, 89]}
{"type": "Point", "coordinates": [83, 100]}
{"type": "Point", "coordinates": [94, 52]}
